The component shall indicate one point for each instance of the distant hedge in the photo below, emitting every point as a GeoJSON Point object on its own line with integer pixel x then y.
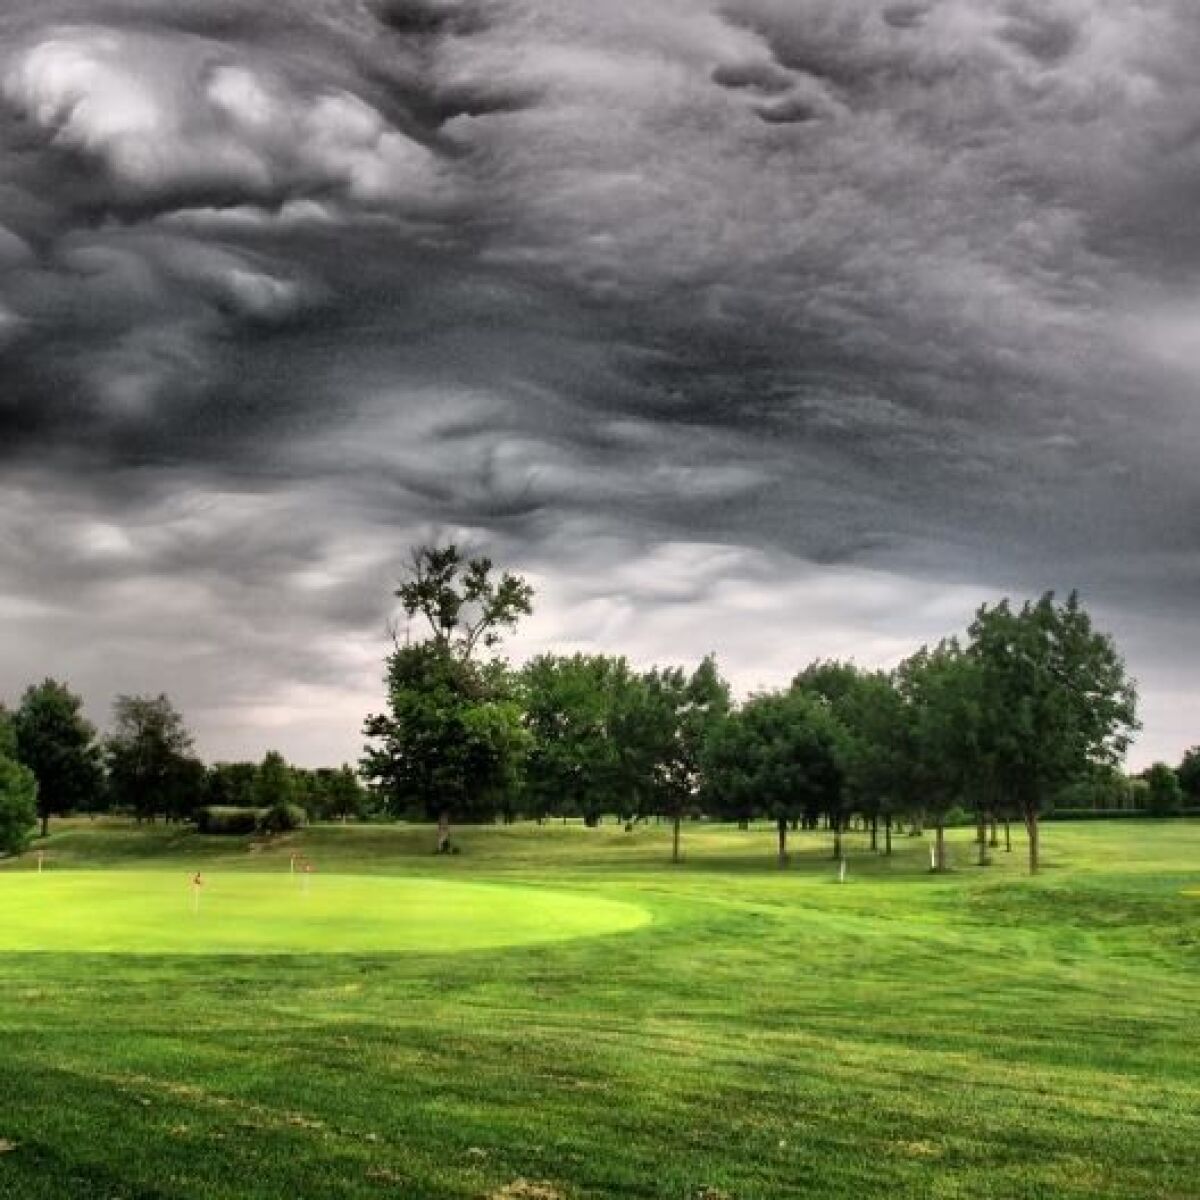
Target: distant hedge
{"type": "Point", "coordinates": [220, 819]}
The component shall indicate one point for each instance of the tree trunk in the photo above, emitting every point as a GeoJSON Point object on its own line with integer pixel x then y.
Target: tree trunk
{"type": "Point", "coordinates": [45, 824]}
{"type": "Point", "coordinates": [675, 838]}
{"type": "Point", "coordinates": [744, 823]}
{"type": "Point", "coordinates": [875, 832]}
{"type": "Point", "coordinates": [993, 838]}
{"type": "Point", "coordinates": [940, 855]}
{"type": "Point", "coordinates": [1031, 825]}
{"type": "Point", "coordinates": [837, 836]}
{"type": "Point", "coordinates": [1007, 836]}
{"type": "Point", "coordinates": [443, 832]}
{"type": "Point", "coordinates": [782, 826]}
{"type": "Point", "coordinates": [887, 835]}
{"type": "Point", "coordinates": [982, 839]}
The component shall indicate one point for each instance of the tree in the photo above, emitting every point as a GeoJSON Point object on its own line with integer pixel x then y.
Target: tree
{"type": "Point", "coordinates": [1164, 796]}
{"type": "Point", "coordinates": [777, 755]}
{"type": "Point", "coordinates": [875, 748]}
{"type": "Point", "coordinates": [59, 746]}
{"type": "Point", "coordinates": [18, 806]}
{"type": "Point", "coordinates": [694, 707]}
{"type": "Point", "coordinates": [942, 688]}
{"type": "Point", "coordinates": [344, 796]}
{"type": "Point", "coordinates": [1189, 775]}
{"type": "Point", "coordinates": [150, 760]}
{"type": "Point", "coordinates": [464, 606]}
{"type": "Point", "coordinates": [568, 709]}
{"type": "Point", "coordinates": [451, 741]}
{"type": "Point", "coordinates": [273, 782]}
{"type": "Point", "coordinates": [1056, 701]}
{"type": "Point", "coordinates": [18, 792]}
{"type": "Point", "coordinates": [231, 785]}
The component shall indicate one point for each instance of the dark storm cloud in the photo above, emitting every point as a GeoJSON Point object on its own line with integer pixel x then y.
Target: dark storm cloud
{"type": "Point", "coordinates": [905, 289]}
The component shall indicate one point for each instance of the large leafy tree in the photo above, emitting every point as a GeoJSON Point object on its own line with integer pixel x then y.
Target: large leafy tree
{"type": "Point", "coordinates": [568, 705]}
{"type": "Point", "coordinates": [942, 688]}
{"type": "Point", "coordinates": [1164, 796]}
{"type": "Point", "coordinates": [59, 746]}
{"type": "Point", "coordinates": [876, 742]}
{"type": "Point", "coordinates": [1189, 775]}
{"type": "Point", "coordinates": [18, 792]}
{"type": "Point", "coordinates": [778, 756]}
{"type": "Point", "coordinates": [150, 762]}
{"type": "Point", "coordinates": [692, 708]}
{"type": "Point", "coordinates": [451, 741]}
{"type": "Point", "coordinates": [1056, 701]}
{"type": "Point", "coordinates": [232, 784]}
{"type": "Point", "coordinates": [273, 782]}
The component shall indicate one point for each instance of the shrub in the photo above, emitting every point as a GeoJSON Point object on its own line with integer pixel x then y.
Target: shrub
{"type": "Point", "coordinates": [282, 818]}
{"type": "Point", "coordinates": [220, 819]}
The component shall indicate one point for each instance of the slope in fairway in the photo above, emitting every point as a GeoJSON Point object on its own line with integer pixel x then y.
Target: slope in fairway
{"type": "Point", "coordinates": [157, 912]}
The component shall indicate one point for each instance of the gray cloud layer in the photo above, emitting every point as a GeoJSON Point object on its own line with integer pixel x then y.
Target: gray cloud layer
{"type": "Point", "coordinates": [772, 326]}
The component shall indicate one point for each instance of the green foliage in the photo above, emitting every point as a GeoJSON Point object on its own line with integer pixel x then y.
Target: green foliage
{"type": "Point", "coordinates": [464, 606]}
{"type": "Point", "coordinates": [1189, 775]}
{"type": "Point", "coordinates": [8, 734]}
{"type": "Point", "coordinates": [231, 785]}
{"type": "Point", "coordinates": [332, 795]}
{"type": "Point", "coordinates": [877, 747]}
{"type": "Point", "coordinates": [18, 806]}
{"type": "Point", "coordinates": [59, 746]}
{"type": "Point", "coordinates": [1164, 795]}
{"type": "Point", "coordinates": [943, 689]}
{"type": "Point", "coordinates": [282, 817]}
{"type": "Point", "coordinates": [1055, 701]}
{"type": "Point", "coordinates": [452, 740]}
{"type": "Point", "coordinates": [778, 756]}
{"type": "Point", "coordinates": [568, 706]}
{"type": "Point", "coordinates": [150, 763]}
{"type": "Point", "coordinates": [274, 786]}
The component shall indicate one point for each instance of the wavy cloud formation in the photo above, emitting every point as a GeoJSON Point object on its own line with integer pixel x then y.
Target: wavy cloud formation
{"type": "Point", "coordinates": [694, 309]}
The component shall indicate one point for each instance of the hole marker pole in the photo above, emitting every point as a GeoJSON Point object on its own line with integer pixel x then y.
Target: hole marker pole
{"type": "Point", "coordinates": [842, 871]}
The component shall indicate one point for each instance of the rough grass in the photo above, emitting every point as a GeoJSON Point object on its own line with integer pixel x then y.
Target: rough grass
{"type": "Point", "coordinates": [769, 1033]}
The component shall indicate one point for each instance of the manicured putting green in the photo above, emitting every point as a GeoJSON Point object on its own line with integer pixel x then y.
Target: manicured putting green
{"type": "Point", "coordinates": [158, 912]}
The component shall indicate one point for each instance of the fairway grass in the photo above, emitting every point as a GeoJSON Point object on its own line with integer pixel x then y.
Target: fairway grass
{"type": "Point", "coordinates": [161, 912]}
{"type": "Point", "coordinates": [719, 1029]}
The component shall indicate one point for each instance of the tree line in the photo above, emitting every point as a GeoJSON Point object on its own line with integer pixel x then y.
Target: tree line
{"type": "Point", "coordinates": [1031, 707]}
{"type": "Point", "coordinates": [1030, 710]}
{"type": "Point", "coordinates": [53, 762]}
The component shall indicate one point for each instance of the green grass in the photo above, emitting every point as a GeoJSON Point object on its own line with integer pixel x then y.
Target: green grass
{"type": "Point", "coordinates": [163, 912]}
{"type": "Point", "coordinates": [407, 1029]}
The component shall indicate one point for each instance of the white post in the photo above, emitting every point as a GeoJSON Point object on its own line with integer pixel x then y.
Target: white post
{"type": "Point", "coordinates": [842, 872]}
{"type": "Point", "coordinates": [933, 858]}
{"type": "Point", "coordinates": [40, 856]}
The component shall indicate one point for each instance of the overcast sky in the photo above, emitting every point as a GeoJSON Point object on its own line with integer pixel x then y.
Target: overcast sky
{"type": "Point", "coordinates": [776, 328]}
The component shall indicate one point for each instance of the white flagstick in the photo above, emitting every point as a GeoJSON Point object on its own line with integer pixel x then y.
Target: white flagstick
{"type": "Point", "coordinates": [932, 858]}
{"type": "Point", "coordinates": [40, 855]}
{"type": "Point", "coordinates": [842, 872]}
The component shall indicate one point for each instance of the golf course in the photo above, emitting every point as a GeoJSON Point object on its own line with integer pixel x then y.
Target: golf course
{"type": "Point", "coordinates": [560, 1012]}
